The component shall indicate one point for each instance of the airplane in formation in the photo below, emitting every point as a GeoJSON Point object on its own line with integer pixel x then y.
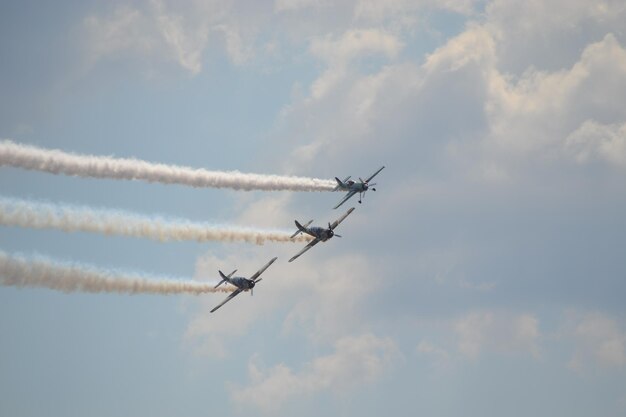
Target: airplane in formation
{"type": "Point", "coordinates": [242, 284]}
{"type": "Point", "coordinates": [320, 234]}
{"type": "Point", "coordinates": [353, 187]}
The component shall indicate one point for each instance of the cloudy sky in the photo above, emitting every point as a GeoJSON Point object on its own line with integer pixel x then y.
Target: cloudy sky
{"type": "Point", "coordinates": [485, 277]}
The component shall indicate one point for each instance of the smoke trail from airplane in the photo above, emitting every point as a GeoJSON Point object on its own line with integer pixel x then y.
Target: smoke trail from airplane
{"type": "Point", "coordinates": [18, 271]}
{"type": "Point", "coordinates": [84, 219]}
{"type": "Point", "coordinates": [59, 162]}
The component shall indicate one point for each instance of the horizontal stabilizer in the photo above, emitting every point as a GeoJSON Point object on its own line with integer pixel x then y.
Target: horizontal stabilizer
{"type": "Point", "coordinates": [301, 228]}
{"type": "Point", "coordinates": [225, 278]}
{"type": "Point", "coordinates": [341, 185]}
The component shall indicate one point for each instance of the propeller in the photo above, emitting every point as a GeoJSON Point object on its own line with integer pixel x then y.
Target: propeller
{"type": "Point", "coordinates": [336, 235]}
{"type": "Point", "coordinates": [252, 284]}
{"type": "Point", "coordinates": [330, 231]}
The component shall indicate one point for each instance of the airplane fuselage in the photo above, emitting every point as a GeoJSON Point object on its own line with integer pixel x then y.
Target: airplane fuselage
{"type": "Point", "coordinates": [242, 283]}
{"type": "Point", "coordinates": [359, 187]}
{"type": "Point", "coordinates": [321, 233]}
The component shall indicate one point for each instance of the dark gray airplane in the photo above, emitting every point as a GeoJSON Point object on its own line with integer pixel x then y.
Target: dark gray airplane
{"type": "Point", "coordinates": [320, 234]}
{"type": "Point", "coordinates": [353, 187]}
{"type": "Point", "coordinates": [242, 284]}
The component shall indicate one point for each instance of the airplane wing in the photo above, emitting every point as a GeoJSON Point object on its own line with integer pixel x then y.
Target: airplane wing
{"type": "Point", "coordinates": [260, 271]}
{"type": "Point", "coordinates": [306, 248]}
{"type": "Point", "coordinates": [339, 220]}
{"type": "Point", "coordinates": [230, 297]}
{"type": "Point", "coordinates": [374, 174]}
{"type": "Point", "coordinates": [346, 198]}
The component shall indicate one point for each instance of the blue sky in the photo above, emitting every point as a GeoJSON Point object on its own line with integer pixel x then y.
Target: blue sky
{"type": "Point", "coordinates": [486, 276]}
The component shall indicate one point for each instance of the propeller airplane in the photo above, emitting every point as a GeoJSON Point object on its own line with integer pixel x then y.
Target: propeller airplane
{"type": "Point", "coordinates": [320, 234]}
{"type": "Point", "coordinates": [242, 284]}
{"type": "Point", "coordinates": [354, 187]}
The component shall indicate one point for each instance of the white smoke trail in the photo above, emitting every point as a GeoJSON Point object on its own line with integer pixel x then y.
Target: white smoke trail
{"type": "Point", "coordinates": [17, 271]}
{"type": "Point", "coordinates": [84, 219]}
{"type": "Point", "coordinates": [59, 162]}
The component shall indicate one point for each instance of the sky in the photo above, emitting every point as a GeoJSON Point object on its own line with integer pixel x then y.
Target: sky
{"type": "Point", "coordinates": [484, 277]}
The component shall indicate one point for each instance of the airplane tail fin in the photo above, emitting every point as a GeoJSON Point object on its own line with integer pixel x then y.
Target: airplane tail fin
{"type": "Point", "coordinates": [301, 228]}
{"type": "Point", "coordinates": [224, 277]}
{"type": "Point", "coordinates": [340, 184]}
{"type": "Point", "coordinates": [222, 281]}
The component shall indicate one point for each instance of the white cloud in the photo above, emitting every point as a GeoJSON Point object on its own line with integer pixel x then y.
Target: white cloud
{"type": "Point", "coordinates": [354, 44]}
{"type": "Point", "coordinates": [290, 5]}
{"type": "Point", "coordinates": [186, 41]}
{"type": "Point", "coordinates": [441, 358]}
{"type": "Point", "coordinates": [593, 140]}
{"type": "Point", "coordinates": [532, 116]}
{"type": "Point", "coordinates": [183, 31]}
{"type": "Point", "coordinates": [372, 10]}
{"type": "Point", "coordinates": [460, 95]}
{"type": "Point", "coordinates": [402, 13]}
{"type": "Point", "coordinates": [338, 54]}
{"type": "Point", "coordinates": [170, 31]}
{"type": "Point", "coordinates": [598, 340]}
{"type": "Point", "coordinates": [238, 51]}
{"type": "Point", "coordinates": [272, 211]}
{"type": "Point", "coordinates": [549, 34]}
{"type": "Point", "coordinates": [337, 289]}
{"type": "Point", "coordinates": [356, 360]}
{"type": "Point", "coordinates": [145, 32]}
{"type": "Point", "coordinates": [448, 343]}
{"type": "Point", "coordinates": [537, 112]}
{"type": "Point", "coordinates": [491, 331]}
{"type": "Point", "coordinates": [127, 29]}
{"type": "Point", "coordinates": [474, 45]}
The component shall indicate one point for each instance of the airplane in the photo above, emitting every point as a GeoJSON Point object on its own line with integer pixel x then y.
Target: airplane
{"type": "Point", "coordinates": [353, 187]}
{"type": "Point", "coordinates": [242, 284]}
{"type": "Point", "coordinates": [319, 233]}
